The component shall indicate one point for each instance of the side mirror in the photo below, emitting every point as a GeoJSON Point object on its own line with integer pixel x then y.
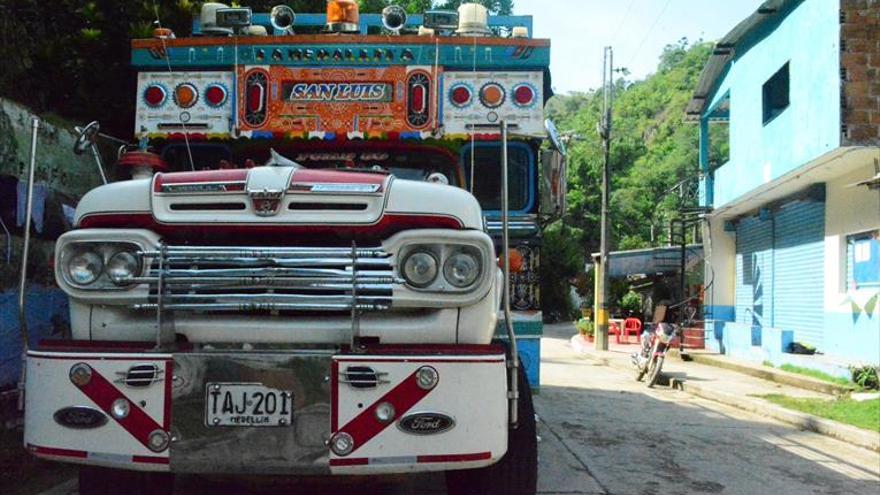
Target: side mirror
{"type": "Point", "coordinates": [85, 137]}
{"type": "Point", "coordinates": [554, 184]}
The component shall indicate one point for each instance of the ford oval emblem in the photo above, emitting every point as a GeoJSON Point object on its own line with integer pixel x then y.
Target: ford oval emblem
{"type": "Point", "coordinates": [426, 423]}
{"type": "Point", "coordinates": [80, 417]}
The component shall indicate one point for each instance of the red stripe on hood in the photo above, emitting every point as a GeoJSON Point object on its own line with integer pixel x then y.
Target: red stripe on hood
{"type": "Point", "coordinates": [262, 234]}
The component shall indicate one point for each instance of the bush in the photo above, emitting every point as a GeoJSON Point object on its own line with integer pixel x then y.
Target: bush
{"type": "Point", "coordinates": [867, 377]}
{"type": "Point", "coordinates": [585, 327]}
{"type": "Point", "coordinates": [631, 303]}
{"type": "Point", "coordinates": [561, 259]}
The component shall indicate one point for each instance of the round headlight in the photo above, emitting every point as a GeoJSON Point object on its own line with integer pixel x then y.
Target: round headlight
{"type": "Point", "coordinates": [461, 269]}
{"type": "Point", "coordinates": [122, 267]}
{"type": "Point", "coordinates": [420, 268]}
{"type": "Point", "coordinates": [85, 267]}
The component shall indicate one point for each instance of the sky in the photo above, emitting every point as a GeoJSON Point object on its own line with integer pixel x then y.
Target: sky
{"type": "Point", "coordinates": [636, 29]}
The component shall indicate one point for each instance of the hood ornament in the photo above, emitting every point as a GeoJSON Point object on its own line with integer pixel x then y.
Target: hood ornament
{"type": "Point", "coordinates": [266, 202]}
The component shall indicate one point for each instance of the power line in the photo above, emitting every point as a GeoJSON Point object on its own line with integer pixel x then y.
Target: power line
{"type": "Point", "coordinates": [648, 33]}
{"type": "Point", "coordinates": [622, 21]}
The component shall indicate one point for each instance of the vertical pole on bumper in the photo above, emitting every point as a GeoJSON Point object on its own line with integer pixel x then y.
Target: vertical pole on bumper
{"type": "Point", "coordinates": [513, 358]}
{"type": "Point", "coordinates": [22, 283]}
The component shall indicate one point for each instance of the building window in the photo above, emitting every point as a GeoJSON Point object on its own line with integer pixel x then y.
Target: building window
{"type": "Point", "coordinates": [863, 260]}
{"type": "Point", "coordinates": [776, 94]}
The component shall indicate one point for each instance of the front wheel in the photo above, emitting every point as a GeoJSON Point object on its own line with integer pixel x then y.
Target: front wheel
{"type": "Point", "coordinates": [655, 366]}
{"type": "Point", "coordinates": [105, 481]}
{"type": "Point", "coordinates": [517, 472]}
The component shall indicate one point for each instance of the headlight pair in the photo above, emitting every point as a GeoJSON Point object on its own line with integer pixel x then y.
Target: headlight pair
{"type": "Point", "coordinates": [97, 265]}
{"type": "Point", "coordinates": [462, 266]}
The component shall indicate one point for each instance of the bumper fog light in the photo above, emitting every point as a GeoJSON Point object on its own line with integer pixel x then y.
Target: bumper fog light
{"type": "Point", "coordinates": [120, 408]}
{"type": "Point", "coordinates": [158, 440]}
{"type": "Point", "coordinates": [427, 377]}
{"type": "Point", "coordinates": [80, 374]}
{"type": "Point", "coordinates": [385, 412]}
{"type": "Point", "coordinates": [342, 444]}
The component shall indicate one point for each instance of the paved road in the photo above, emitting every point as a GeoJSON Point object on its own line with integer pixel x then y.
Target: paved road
{"type": "Point", "coordinates": [602, 433]}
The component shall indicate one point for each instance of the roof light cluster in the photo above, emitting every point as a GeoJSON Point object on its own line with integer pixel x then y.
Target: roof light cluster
{"type": "Point", "coordinates": [492, 95]}
{"type": "Point", "coordinates": [185, 95]}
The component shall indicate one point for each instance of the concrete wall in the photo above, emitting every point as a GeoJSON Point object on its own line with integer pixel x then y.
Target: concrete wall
{"type": "Point", "coordinates": [809, 40]}
{"type": "Point", "coordinates": [850, 332]}
{"type": "Point", "coordinates": [56, 164]}
{"type": "Point", "coordinates": [720, 271]}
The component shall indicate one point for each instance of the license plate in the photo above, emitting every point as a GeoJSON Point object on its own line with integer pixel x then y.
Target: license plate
{"type": "Point", "coordinates": [247, 404]}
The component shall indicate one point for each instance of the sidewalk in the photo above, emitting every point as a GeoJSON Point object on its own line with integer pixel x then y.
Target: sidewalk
{"type": "Point", "coordinates": [732, 388]}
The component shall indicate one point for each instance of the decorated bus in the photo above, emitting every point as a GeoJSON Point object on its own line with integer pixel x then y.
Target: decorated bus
{"type": "Point", "coordinates": [320, 256]}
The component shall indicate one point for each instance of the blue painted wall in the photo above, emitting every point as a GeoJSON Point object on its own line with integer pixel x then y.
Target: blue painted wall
{"type": "Point", "coordinates": [809, 39]}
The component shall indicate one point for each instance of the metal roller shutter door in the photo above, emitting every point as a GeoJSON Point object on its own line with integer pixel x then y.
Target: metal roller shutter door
{"type": "Point", "coordinates": [754, 271]}
{"type": "Point", "coordinates": [799, 271]}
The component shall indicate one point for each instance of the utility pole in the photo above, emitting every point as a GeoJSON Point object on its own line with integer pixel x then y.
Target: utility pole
{"type": "Point", "coordinates": [602, 265]}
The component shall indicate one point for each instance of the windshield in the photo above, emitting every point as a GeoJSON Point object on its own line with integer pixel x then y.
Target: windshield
{"type": "Point", "coordinates": [487, 174]}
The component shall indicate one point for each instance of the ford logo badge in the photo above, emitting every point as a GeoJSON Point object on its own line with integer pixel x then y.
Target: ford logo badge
{"type": "Point", "coordinates": [80, 417]}
{"type": "Point", "coordinates": [426, 423]}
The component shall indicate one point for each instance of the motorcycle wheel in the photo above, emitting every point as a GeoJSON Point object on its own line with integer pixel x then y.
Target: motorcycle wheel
{"type": "Point", "coordinates": [654, 368]}
{"type": "Point", "coordinates": [640, 371]}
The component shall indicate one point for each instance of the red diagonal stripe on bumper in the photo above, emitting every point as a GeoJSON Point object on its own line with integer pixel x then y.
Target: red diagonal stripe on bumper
{"type": "Point", "coordinates": [403, 397]}
{"type": "Point", "coordinates": [104, 394]}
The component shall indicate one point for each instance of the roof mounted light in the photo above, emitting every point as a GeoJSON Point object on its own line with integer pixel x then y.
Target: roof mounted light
{"type": "Point", "coordinates": [393, 18]}
{"type": "Point", "coordinates": [343, 16]}
{"type": "Point", "coordinates": [282, 18]}
{"type": "Point", "coordinates": [473, 20]}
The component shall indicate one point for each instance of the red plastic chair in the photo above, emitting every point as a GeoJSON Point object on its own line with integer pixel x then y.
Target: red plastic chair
{"type": "Point", "coordinates": [632, 326]}
{"type": "Point", "coordinates": [614, 329]}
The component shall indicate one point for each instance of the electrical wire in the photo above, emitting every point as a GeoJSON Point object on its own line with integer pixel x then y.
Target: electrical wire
{"type": "Point", "coordinates": [648, 33]}
{"type": "Point", "coordinates": [622, 21]}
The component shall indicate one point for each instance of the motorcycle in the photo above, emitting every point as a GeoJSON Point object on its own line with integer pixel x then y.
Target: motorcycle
{"type": "Point", "coordinates": [649, 360]}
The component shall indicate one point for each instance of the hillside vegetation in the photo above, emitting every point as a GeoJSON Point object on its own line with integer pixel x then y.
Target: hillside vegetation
{"type": "Point", "coordinates": [653, 149]}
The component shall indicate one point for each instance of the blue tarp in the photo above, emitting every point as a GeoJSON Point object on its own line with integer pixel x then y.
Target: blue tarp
{"type": "Point", "coordinates": [47, 314]}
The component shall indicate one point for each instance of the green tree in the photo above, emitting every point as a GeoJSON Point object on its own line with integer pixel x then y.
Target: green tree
{"type": "Point", "coordinates": [653, 149]}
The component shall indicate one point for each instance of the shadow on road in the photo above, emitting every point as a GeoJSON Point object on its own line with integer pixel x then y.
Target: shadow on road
{"type": "Point", "coordinates": [632, 440]}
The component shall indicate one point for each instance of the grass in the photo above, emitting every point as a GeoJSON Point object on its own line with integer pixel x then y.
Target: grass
{"type": "Point", "coordinates": [865, 414]}
{"type": "Point", "coordinates": [825, 377]}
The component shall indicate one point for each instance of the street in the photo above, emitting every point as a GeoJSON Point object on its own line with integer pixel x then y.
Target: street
{"type": "Point", "coordinates": [603, 433]}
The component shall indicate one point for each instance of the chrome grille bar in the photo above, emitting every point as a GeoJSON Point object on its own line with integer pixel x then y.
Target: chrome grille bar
{"type": "Point", "coordinates": [249, 279]}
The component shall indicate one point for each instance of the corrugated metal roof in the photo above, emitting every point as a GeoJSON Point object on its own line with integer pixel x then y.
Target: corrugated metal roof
{"type": "Point", "coordinates": [725, 51]}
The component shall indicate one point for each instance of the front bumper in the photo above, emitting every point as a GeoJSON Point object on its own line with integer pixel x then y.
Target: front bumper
{"type": "Point", "coordinates": [470, 391]}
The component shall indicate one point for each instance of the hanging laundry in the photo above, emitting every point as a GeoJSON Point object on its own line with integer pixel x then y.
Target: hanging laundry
{"type": "Point", "coordinates": [8, 186]}
{"type": "Point", "coordinates": [41, 191]}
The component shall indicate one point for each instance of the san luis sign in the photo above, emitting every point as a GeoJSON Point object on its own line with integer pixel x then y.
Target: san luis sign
{"type": "Point", "coordinates": [339, 92]}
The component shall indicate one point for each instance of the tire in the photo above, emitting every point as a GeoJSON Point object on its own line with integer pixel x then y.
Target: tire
{"type": "Point", "coordinates": [105, 481]}
{"type": "Point", "coordinates": [640, 371]}
{"type": "Point", "coordinates": [517, 472]}
{"type": "Point", "coordinates": [654, 370]}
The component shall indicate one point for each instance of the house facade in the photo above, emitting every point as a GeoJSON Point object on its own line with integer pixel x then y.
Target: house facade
{"type": "Point", "coordinates": [789, 113]}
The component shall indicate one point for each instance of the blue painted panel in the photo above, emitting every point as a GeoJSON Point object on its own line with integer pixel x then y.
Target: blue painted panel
{"type": "Point", "coordinates": [863, 270]}
{"type": "Point", "coordinates": [754, 272]}
{"type": "Point", "coordinates": [449, 56]}
{"type": "Point", "coordinates": [799, 271]}
{"type": "Point", "coordinates": [809, 127]}
{"type": "Point", "coordinates": [720, 313]}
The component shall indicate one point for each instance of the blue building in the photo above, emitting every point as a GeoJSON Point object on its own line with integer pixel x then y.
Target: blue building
{"type": "Point", "coordinates": [789, 113]}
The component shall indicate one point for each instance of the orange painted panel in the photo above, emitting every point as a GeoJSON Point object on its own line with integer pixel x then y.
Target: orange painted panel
{"type": "Point", "coordinates": [373, 101]}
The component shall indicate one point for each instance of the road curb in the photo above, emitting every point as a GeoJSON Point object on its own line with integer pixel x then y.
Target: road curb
{"type": "Point", "coordinates": [827, 427]}
{"type": "Point", "coordinates": [840, 431]}
{"type": "Point", "coordinates": [773, 375]}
